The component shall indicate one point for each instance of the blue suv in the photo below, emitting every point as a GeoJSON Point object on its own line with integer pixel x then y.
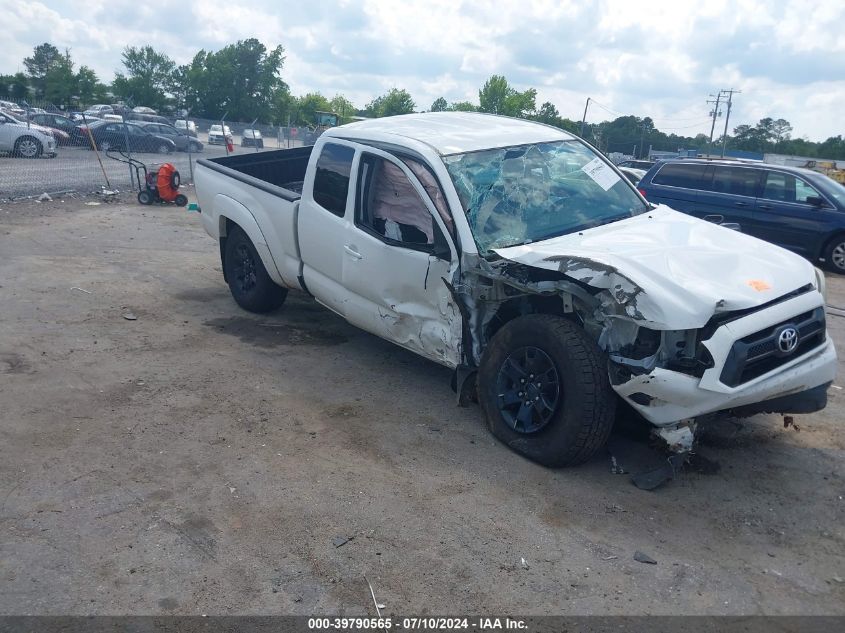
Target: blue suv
{"type": "Point", "coordinates": [798, 209]}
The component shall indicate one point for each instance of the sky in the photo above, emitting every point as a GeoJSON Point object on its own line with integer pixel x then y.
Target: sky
{"type": "Point", "coordinates": [648, 58]}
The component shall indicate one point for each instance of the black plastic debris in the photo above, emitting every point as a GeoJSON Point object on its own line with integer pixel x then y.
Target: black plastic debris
{"type": "Point", "coordinates": [641, 557]}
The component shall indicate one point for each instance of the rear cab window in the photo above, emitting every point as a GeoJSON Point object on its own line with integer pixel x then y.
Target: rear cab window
{"type": "Point", "coordinates": [331, 178]}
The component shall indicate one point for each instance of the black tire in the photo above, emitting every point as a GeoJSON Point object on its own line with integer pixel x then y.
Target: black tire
{"type": "Point", "coordinates": [105, 145]}
{"type": "Point", "coordinates": [195, 148]}
{"type": "Point", "coordinates": [834, 254]}
{"type": "Point", "coordinates": [163, 148]}
{"type": "Point", "coordinates": [175, 180]}
{"type": "Point", "coordinates": [28, 147]}
{"type": "Point", "coordinates": [571, 415]}
{"type": "Point", "coordinates": [249, 283]}
{"type": "Point", "coordinates": [145, 197]}
{"type": "Point", "coordinates": [181, 200]}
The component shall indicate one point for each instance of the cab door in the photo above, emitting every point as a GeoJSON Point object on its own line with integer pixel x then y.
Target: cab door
{"type": "Point", "coordinates": [324, 224]}
{"type": "Point", "coordinates": [397, 254]}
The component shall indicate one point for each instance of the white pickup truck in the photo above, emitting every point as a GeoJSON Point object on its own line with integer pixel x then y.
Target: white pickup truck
{"type": "Point", "coordinates": [515, 254]}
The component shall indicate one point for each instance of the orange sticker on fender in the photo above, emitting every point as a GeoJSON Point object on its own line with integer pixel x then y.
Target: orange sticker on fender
{"type": "Point", "coordinates": [759, 285]}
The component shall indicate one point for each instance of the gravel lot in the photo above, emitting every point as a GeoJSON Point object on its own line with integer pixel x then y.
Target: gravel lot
{"type": "Point", "coordinates": [199, 459]}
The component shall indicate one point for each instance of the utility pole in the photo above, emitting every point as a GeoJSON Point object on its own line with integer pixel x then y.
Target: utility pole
{"type": "Point", "coordinates": [587, 105]}
{"type": "Point", "coordinates": [728, 117]}
{"type": "Point", "coordinates": [642, 139]}
{"type": "Point", "coordinates": [713, 113]}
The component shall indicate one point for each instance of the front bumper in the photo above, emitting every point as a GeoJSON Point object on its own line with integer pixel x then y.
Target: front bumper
{"type": "Point", "coordinates": [664, 397]}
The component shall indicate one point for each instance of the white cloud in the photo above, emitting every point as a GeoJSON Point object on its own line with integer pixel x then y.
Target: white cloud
{"type": "Point", "coordinates": [660, 59]}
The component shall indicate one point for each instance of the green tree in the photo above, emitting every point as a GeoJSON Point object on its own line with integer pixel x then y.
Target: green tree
{"type": "Point", "coordinates": [60, 82]}
{"type": "Point", "coordinates": [89, 89]}
{"type": "Point", "coordinates": [394, 102]}
{"type": "Point", "coordinates": [44, 57]}
{"type": "Point", "coordinates": [439, 105]}
{"type": "Point", "coordinates": [148, 79]}
{"type": "Point", "coordinates": [781, 129]}
{"type": "Point", "coordinates": [13, 87]}
{"type": "Point", "coordinates": [306, 105]}
{"type": "Point", "coordinates": [463, 106]}
{"type": "Point", "coordinates": [243, 79]}
{"type": "Point", "coordinates": [343, 107]}
{"type": "Point", "coordinates": [497, 96]}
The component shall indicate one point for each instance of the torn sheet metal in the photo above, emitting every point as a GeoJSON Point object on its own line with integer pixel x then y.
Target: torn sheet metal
{"type": "Point", "coordinates": [668, 269]}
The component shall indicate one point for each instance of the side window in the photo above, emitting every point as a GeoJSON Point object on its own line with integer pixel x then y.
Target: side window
{"type": "Point", "coordinates": [688, 176]}
{"type": "Point", "coordinates": [429, 182]}
{"type": "Point", "coordinates": [389, 206]}
{"type": "Point", "coordinates": [738, 181]}
{"type": "Point", "coordinates": [804, 191]}
{"type": "Point", "coordinates": [331, 181]}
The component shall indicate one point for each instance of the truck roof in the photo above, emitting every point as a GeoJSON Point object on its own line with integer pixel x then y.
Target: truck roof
{"type": "Point", "coordinates": [454, 132]}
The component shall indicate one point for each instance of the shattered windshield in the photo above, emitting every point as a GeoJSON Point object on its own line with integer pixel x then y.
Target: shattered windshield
{"type": "Point", "coordinates": [528, 193]}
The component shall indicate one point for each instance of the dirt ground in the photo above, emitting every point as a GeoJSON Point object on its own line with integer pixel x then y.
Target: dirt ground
{"type": "Point", "coordinates": [202, 460]}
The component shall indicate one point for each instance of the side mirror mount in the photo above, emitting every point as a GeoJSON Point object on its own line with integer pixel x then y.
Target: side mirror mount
{"type": "Point", "coordinates": [816, 201]}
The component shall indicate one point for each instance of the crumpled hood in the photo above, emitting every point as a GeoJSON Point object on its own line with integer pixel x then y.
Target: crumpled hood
{"type": "Point", "coordinates": [670, 269]}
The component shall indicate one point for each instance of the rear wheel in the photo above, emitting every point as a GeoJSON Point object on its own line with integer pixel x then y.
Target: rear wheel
{"type": "Point", "coordinates": [248, 280]}
{"type": "Point", "coordinates": [105, 145]}
{"type": "Point", "coordinates": [544, 389]}
{"type": "Point", "coordinates": [163, 148]}
{"type": "Point", "coordinates": [28, 147]}
{"type": "Point", "coordinates": [834, 254]}
{"type": "Point", "coordinates": [145, 197]}
{"type": "Point", "coordinates": [181, 200]}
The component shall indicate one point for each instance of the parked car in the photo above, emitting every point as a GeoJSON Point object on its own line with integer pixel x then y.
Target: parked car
{"type": "Point", "coordinates": [65, 131]}
{"type": "Point", "coordinates": [186, 126]}
{"type": "Point", "coordinates": [27, 142]}
{"type": "Point", "coordinates": [12, 108]}
{"type": "Point", "coordinates": [113, 135]}
{"type": "Point", "coordinates": [637, 164]}
{"type": "Point", "coordinates": [798, 209]}
{"type": "Point", "coordinates": [98, 110]}
{"type": "Point", "coordinates": [147, 118]}
{"type": "Point", "coordinates": [182, 141]}
{"type": "Point", "coordinates": [251, 138]}
{"type": "Point", "coordinates": [215, 135]}
{"type": "Point", "coordinates": [143, 110]}
{"type": "Point", "coordinates": [632, 174]}
{"type": "Point", "coordinates": [517, 256]}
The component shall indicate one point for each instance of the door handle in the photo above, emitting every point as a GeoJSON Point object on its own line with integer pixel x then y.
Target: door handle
{"type": "Point", "coordinates": [350, 250]}
{"type": "Point", "coordinates": [764, 206]}
{"type": "Point", "coordinates": [740, 204]}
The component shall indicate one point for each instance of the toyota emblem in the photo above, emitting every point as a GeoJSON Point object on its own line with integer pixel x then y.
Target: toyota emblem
{"type": "Point", "coordinates": [787, 340]}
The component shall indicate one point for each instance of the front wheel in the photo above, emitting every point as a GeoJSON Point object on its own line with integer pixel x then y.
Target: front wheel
{"type": "Point", "coordinates": [145, 197]}
{"type": "Point", "coordinates": [249, 283]}
{"type": "Point", "coordinates": [544, 389]}
{"type": "Point", "coordinates": [181, 200]}
{"type": "Point", "coordinates": [834, 255]}
{"type": "Point", "coordinates": [28, 147]}
{"type": "Point", "coordinates": [163, 148]}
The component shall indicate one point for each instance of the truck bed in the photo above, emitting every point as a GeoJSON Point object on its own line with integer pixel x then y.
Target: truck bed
{"type": "Point", "coordinates": [280, 172]}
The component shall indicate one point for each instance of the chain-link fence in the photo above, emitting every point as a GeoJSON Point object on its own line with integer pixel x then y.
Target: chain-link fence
{"type": "Point", "coordinates": [85, 154]}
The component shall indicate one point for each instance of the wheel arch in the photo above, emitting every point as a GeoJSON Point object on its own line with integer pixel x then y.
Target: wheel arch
{"type": "Point", "coordinates": [826, 242]}
{"type": "Point", "coordinates": [521, 306]}
{"type": "Point", "coordinates": [232, 214]}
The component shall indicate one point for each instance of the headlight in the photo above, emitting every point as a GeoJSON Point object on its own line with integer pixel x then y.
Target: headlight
{"type": "Point", "coordinates": [821, 284]}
